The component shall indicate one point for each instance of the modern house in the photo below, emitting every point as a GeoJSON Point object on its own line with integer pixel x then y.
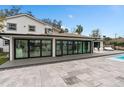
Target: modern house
{"type": "Point", "coordinates": [29, 37]}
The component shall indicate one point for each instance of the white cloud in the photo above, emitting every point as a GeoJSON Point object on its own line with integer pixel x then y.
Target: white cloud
{"type": "Point", "coordinates": [70, 16]}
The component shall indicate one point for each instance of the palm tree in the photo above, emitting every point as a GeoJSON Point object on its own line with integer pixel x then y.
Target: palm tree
{"type": "Point", "coordinates": [79, 29]}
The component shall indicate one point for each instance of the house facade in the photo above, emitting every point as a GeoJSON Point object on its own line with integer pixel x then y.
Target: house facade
{"type": "Point", "coordinates": [29, 38]}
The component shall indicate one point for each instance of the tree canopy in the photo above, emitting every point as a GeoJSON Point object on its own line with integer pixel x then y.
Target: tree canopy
{"type": "Point", "coordinates": [53, 22]}
{"type": "Point", "coordinates": [14, 10]}
{"type": "Point", "coordinates": [79, 29]}
{"type": "Point", "coordinates": [96, 33]}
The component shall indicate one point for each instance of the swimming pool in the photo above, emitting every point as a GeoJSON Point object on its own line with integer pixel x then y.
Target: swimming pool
{"type": "Point", "coordinates": [118, 58]}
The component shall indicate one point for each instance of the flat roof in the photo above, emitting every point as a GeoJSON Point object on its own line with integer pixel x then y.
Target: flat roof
{"type": "Point", "coordinates": [51, 35]}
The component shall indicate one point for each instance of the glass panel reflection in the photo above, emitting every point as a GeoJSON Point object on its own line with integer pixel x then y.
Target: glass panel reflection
{"type": "Point", "coordinates": [46, 48]}
{"type": "Point", "coordinates": [34, 48]}
{"type": "Point", "coordinates": [21, 48]}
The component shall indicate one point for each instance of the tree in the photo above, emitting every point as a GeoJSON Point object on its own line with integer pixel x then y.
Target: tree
{"type": "Point", "coordinates": [79, 29]}
{"type": "Point", "coordinates": [7, 12]}
{"type": "Point", "coordinates": [59, 23]}
{"type": "Point", "coordinates": [120, 37]}
{"type": "Point", "coordinates": [64, 30]}
{"type": "Point", "coordinates": [96, 33]}
{"type": "Point", "coordinates": [2, 18]}
{"type": "Point", "coordinates": [11, 12]}
{"type": "Point", "coordinates": [14, 10]}
{"type": "Point", "coordinates": [54, 22]}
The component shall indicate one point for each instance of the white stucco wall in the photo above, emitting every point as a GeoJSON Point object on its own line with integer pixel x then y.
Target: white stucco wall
{"type": "Point", "coordinates": [4, 47]}
{"type": "Point", "coordinates": [23, 23]}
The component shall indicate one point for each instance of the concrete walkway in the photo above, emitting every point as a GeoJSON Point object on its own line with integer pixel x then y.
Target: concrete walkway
{"type": "Point", "coordinates": [48, 60]}
{"type": "Point", "coordinates": [92, 72]}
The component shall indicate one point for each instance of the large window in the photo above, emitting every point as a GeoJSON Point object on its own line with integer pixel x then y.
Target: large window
{"type": "Point", "coordinates": [75, 47]}
{"type": "Point", "coordinates": [34, 48]}
{"type": "Point", "coordinates": [58, 47]}
{"type": "Point", "coordinates": [80, 47]}
{"type": "Point", "coordinates": [65, 47]}
{"type": "Point", "coordinates": [46, 48]}
{"type": "Point", "coordinates": [86, 47]}
{"type": "Point", "coordinates": [21, 48]}
{"type": "Point", "coordinates": [70, 47]}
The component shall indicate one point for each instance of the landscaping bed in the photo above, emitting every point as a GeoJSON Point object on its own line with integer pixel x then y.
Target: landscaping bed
{"type": "Point", "coordinates": [3, 58]}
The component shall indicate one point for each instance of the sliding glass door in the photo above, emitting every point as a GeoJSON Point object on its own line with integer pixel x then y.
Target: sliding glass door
{"type": "Point", "coordinates": [65, 47]}
{"type": "Point", "coordinates": [28, 48]}
{"type": "Point", "coordinates": [58, 47]}
{"type": "Point", "coordinates": [34, 46]}
{"type": "Point", "coordinates": [75, 47]}
{"type": "Point", "coordinates": [21, 49]}
{"type": "Point", "coordinates": [86, 47]}
{"type": "Point", "coordinates": [80, 47]}
{"type": "Point", "coordinates": [70, 47]}
{"type": "Point", "coordinates": [46, 48]}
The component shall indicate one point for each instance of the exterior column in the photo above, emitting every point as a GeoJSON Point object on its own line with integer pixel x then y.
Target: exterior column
{"type": "Point", "coordinates": [11, 49]}
{"type": "Point", "coordinates": [53, 48]}
{"type": "Point", "coordinates": [101, 45]}
{"type": "Point", "coordinates": [92, 46]}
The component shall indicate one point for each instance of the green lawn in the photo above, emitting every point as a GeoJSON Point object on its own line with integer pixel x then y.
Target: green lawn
{"type": "Point", "coordinates": [3, 58]}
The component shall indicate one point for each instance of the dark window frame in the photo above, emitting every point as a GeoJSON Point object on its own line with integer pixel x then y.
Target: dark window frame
{"type": "Point", "coordinates": [31, 29]}
{"type": "Point", "coordinates": [15, 48]}
{"type": "Point", "coordinates": [51, 48]}
{"type": "Point", "coordinates": [35, 46]}
{"type": "Point", "coordinates": [28, 40]}
{"type": "Point", "coordinates": [73, 41]}
{"type": "Point", "coordinates": [10, 27]}
{"type": "Point", "coordinates": [6, 42]}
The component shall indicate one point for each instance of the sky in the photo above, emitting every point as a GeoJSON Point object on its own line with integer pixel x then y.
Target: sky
{"type": "Point", "coordinates": [108, 19]}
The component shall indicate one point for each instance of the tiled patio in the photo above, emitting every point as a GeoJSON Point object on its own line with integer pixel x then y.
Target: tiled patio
{"type": "Point", "coordinates": [92, 72]}
{"type": "Point", "coordinates": [48, 60]}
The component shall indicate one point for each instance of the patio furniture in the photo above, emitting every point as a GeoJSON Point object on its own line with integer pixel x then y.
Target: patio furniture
{"type": "Point", "coordinates": [108, 48]}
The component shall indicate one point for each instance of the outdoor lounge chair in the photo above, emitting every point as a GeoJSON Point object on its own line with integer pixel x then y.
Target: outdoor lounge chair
{"type": "Point", "coordinates": [108, 48]}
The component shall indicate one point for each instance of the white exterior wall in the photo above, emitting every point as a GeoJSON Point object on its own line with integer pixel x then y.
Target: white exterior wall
{"type": "Point", "coordinates": [4, 47]}
{"type": "Point", "coordinates": [23, 23]}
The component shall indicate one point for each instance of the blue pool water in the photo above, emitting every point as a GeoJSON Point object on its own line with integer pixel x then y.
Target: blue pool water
{"type": "Point", "coordinates": [121, 57]}
{"type": "Point", "coordinates": [118, 58]}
